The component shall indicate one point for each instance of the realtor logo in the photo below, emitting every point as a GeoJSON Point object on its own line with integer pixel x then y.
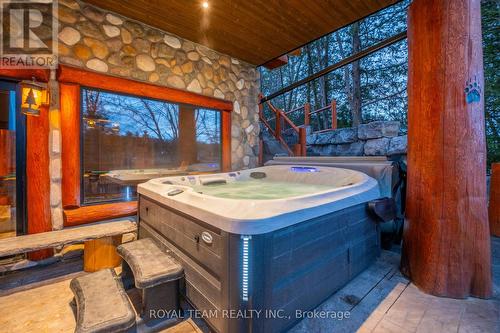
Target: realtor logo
{"type": "Point", "coordinates": [28, 34]}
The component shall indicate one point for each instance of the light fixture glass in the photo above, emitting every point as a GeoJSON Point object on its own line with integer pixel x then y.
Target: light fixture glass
{"type": "Point", "coordinates": [115, 127]}
{"type": "Point", "coordinates": [91, 123]}
{"type": "Point", "coordinates": [33, 96]}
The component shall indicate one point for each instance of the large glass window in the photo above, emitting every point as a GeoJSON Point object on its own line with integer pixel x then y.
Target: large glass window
{"type": "Point", "coordinates": [127, 140]}
{"type": "Point", "coordinates": [369, 89]}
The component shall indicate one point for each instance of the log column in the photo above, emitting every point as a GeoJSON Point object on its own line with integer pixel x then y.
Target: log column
{"type": "Point", "coordinates": [38, 179]}
{"type": "Point", "coordinates": [446, 247]}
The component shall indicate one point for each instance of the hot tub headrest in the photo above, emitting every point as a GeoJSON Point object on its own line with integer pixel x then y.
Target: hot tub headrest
{"type": "Point", "coordinates": [212, 181]}
{"type": "Point", "coordinates": [379, 168]}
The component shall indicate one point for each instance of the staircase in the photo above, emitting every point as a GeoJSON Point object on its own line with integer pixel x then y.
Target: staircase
{"type": "Point", "coordinates": [286, 138]}
{"type": "Point", "coordinates": [270, 146]}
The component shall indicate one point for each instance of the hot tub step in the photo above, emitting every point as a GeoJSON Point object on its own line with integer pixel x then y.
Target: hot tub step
{"type": "Point", "coordinates": [155, 273]}
{"type": "Point", "coordinates": [95, 295]}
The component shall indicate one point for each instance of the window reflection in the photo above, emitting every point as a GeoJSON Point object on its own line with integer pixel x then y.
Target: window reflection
{"type": "Point", "coordinates": [127, 140]}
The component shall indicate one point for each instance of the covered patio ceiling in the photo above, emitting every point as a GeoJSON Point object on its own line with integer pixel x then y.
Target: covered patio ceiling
{"type": "Point", "coordinates": [255, 31]}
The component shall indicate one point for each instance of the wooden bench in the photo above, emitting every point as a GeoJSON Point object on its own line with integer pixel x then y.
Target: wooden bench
{"type": "Point", "coordinates": [102, 303]}
{"type": "Point", "coordinates": [100, 240]}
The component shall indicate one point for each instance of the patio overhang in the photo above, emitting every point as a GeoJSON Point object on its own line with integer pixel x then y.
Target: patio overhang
{"type": "Point", "coordinates": [254, 31]}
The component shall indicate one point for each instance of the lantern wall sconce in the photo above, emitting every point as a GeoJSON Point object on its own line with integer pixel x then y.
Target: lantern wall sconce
{"type": "Point", "coordinates": [33, 96]}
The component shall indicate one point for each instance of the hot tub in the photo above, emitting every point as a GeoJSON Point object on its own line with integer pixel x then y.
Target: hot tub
{"type": "Point", "coordinates": [276, 239]}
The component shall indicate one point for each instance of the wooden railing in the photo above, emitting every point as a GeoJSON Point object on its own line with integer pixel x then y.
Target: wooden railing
{"type": "Point", "coordinates": [333, 110]}
{"type": "Point", "coordinates": [281, 119]}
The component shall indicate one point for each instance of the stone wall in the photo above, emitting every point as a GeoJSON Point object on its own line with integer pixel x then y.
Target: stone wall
{"type": "Point", "coordinates": [105, 42]}
{"type": "Point", "coordinates": [378, 138]}
{"type": "Point", "coordinates": [108, 43]}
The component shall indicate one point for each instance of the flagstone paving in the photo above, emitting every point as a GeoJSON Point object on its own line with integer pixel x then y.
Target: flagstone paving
{"type": "Point", "coordinates": [379, 300]}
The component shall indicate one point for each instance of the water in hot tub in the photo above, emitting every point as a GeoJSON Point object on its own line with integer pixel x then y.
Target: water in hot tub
{"type": "Point", "coordinates": [260, 189]}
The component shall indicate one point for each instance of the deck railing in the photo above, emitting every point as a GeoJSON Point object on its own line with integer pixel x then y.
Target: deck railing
{"type": "Point", "coordinates": [281, 120]}
{"type": "Point", "coordinates": [332, 107]}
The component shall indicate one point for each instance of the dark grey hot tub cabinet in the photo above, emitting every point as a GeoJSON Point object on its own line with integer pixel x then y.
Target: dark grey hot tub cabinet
{"type": "Point", "coordinates": [294, 268]}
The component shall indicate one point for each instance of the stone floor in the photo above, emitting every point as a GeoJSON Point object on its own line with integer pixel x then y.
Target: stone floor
{"type": "Point", "coordinates": [378, 300]}
{"type": "Point", "coordinates": [381, 300]}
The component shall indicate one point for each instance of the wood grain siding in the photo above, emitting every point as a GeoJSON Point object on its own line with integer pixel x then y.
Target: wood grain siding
{"type": "Point", "coordinates": [494, 205]}
{"type": "Point", "coordinates": [446, 239]}
{"type": "Point", "coordinates": [96, 213]}
{"type": "Point", "coordinates": [254, 31]}
{"type": "Point", "coordinates": [70, 156]}
{"type": "Point", "coordinates": [125, 86]}
{"type": "Point", "coordinates": [37, 175]}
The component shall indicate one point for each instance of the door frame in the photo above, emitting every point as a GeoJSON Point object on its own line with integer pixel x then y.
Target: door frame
{"type": "Point", "coordinates": [21, 222]}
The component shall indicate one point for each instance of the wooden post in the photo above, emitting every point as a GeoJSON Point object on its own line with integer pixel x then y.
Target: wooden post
{"type": "Point", "coordinates": [334, 114]}
{"type": "Point", "coordinates": [494, 206]}
{"type": "Point", "coordinates": [226, 141]}
{"type": "Point", "coordinates": [70, 133]}
{"type": "Point", "coordinates": [302, 141]}
{"type": "Point", "coordinates": [277, 132]}
{"type": "Point", "coordinates": [446, 241]}
{"type": "Point", "coordinates": [101, 253]}
{"type": "Point", "coordinates": [307, 114]}
{"type": "Point", "coordinates": [37, 178]}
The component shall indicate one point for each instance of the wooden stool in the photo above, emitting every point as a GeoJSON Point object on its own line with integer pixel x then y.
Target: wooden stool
{"type": "Point", "coordinates": [101, 253]}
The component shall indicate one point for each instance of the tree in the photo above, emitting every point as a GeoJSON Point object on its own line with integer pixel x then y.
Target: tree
{"type": "Point", "coordinates": [355, 97]}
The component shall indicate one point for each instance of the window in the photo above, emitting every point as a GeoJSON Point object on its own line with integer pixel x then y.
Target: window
{"type": "Point", "coordinates": [372, 88]}
{"type": "Point", "coordinates": [127, 140]}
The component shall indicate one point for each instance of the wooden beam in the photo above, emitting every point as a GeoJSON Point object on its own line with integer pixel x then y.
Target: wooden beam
{"type": "Point", "coordinates": [96, 213]}
{"type": "Point", "coordinates": [70, 135]}
{"type": "Point", "coordinates": [68, 74]}
{"type": "Point", "coordinates": [446, 246]}
{"type": "Point", "coordinates": [37, 178]}
{"type": "Point", "coordinates": [41, 75]}
{"type": "Point", "coordinates": [278, 62]}
{"type": "Point", "coordinates": [226, 141]}
{"type": "Point", "coordinates": [494, 205]}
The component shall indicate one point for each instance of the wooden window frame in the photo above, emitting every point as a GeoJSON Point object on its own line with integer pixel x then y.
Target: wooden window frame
{"type": "Point", "coordinates": [37, 185]}
{"type": "Point", "coordinates": [71, 80]}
